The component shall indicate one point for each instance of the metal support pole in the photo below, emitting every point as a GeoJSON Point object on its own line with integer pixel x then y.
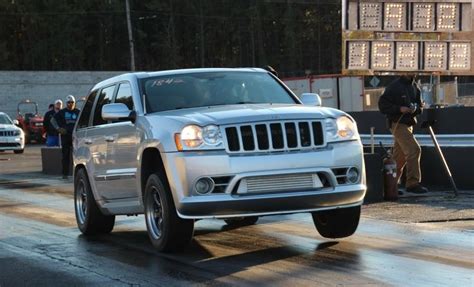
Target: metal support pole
{"type": "Point", "coordinates": [372, 143]}
{"type": "Point", "coordinates": [130, 36]}
{"type": "Point", "coordinates": [438, 90]}
{"type": "Point", "coordinates": [456, 92]}
{"type": "Point", "coordinates": [445, 164]}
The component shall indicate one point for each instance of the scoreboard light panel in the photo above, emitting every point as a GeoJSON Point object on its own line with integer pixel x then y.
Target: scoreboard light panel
{"type": "Point", "coordinates": [358, 55]}
{"type": "Point", "coordinates": [395, 16]}
{"type": "Point", "coordinates": [370, 16]}
{"type": "Point", "coordinates": [448, 17]}
{"type": "Point", "coordinates": [435, 56]}
{"type": "Point", "coordinates": [394, 36]}
{"type": "Point", "coordinates": [423, 17]}
{"type": "Point", "coordinates": [404, 16]}
{"type": "Point", "coordinates": [382, 55]}
{"type": "Point", "coordinates": [407, 56]}
{"type": "Point", "coordinates": [460, 56]}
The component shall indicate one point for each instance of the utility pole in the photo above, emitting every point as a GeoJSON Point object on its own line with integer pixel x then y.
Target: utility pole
{"type": "Point", "coordinates": [130, 36]}
{"type": "Point", "coordinates": [201, 32]}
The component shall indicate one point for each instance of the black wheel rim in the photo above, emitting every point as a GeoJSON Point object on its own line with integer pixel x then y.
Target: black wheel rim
{"type": "Point", "coordinates": [81, 201]}
{"type": "Point", "coordinates": [154, 213]}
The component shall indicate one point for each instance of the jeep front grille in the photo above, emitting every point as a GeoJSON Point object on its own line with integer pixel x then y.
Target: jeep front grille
{"type": "Point", "coordinates": [9, 145]}
{"type": "Point", "coordinates": [274, 136]}
{"type": "Point", "coordinates": [7, 133]}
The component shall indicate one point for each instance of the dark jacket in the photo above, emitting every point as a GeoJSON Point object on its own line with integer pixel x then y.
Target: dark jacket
{"type": "Point", "coordinates": [48, 127]}
{"type": "Point", "coordinates": [399, 93]}
{"type": "Point", "coordinates": [66, 119]}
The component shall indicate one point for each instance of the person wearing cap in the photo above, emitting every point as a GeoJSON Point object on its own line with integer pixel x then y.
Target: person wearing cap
{"type": "Point", "coordinates": [64, 122]}
{"type": "Point", "coordinates": [52, 138]}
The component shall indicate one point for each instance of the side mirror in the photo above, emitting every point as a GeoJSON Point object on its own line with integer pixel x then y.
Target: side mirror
{"type": "Point", "coordinates": [310, 99]}
{"type": "Point", "coordinates": [16, 123]}
{"type": "Point", "coordinates": [118, 112]}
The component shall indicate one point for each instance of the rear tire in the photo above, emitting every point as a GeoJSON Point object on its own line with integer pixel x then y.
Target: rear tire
{"type": "Point", "coordinates": [166, 230]}
{"type": "Point", "coordinates": [19, 151]}
{"type": "Point", "coordinates": [337, 223]}
{"type": "Point", "coordinates": [241, 221]}
{"type": "Point", "coordinates": [89, 218]}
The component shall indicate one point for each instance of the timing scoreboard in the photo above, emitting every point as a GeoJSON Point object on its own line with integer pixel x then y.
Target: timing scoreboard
{"type": "Point", "coordinates": [390, 37]}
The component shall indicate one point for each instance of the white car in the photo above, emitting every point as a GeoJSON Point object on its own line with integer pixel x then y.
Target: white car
{"type": "Point", "coordinates": [11, 136]}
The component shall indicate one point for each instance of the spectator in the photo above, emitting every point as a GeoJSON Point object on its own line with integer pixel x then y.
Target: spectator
{"type": "Point", "coordinates": [401, 103]}
{"type": "Point", "coordinates": [64, 122]}
{"type": "Point", "coordinates": [52, 137]}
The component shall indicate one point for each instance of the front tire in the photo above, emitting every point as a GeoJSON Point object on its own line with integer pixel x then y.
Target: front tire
{"type": "Point", "coordinates": [166, 230]}
{"type": "Point", "coordinates": [89, 218]}
{"type": "Point", "coordinates": [19, 151]}
{"type": "Point", "coordinates": [337, 223]}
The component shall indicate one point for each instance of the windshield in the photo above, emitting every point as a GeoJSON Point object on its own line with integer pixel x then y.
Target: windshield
{"type": "Point", "coordinates": [212, 89]}
{"type": "Point", "coordinates": [4, 120]}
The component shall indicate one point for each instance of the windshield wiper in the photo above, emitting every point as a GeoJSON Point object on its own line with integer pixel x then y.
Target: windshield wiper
{"type": "Point", "coordinates": [239, 103]}
{"type": "Point", "coordinates": [243, 103]}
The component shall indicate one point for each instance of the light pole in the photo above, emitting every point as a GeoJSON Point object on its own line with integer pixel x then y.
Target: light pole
{"type": "Point", "coordinates": [130, 36]}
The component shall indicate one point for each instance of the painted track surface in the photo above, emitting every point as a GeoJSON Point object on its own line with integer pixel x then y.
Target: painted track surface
{"type": "Point", "coordinates": [41, 246]}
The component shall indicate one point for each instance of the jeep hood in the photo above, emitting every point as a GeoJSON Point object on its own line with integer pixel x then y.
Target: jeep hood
{"type": "Point", "coordinates": [8, 127]}
{"type": "Point", "coordinates": [233, 114]}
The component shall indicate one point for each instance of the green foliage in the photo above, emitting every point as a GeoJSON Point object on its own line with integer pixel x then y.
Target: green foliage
{"type": "Point", "coordinates": [291, 35]}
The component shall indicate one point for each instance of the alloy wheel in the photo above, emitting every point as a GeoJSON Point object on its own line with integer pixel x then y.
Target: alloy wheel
{"type": "Point", "coordinates": [81, 201]}
{"type": "Point", "coordinates": [154, 213]}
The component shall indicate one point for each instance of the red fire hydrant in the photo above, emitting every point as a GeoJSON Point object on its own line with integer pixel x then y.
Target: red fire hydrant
{"type": "Point", "coordinates": [390, 177]}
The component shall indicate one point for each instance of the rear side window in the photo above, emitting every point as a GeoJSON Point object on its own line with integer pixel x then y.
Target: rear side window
{"type": "Point", "coordinates": [86, 111]}
{"type": "Point", "coordinates": [105, 97]}
{"type": "Point", "coordinates": [124, 95]}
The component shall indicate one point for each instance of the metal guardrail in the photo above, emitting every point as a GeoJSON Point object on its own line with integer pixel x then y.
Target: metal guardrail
{"type": "Point", "coordinates": [447, 140]}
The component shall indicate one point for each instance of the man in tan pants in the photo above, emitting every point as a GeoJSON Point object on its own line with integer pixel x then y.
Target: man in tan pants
{"type": "Point", "coordinates": [401, 102]}
{"type": "Point", "coordinates": [406, 151]}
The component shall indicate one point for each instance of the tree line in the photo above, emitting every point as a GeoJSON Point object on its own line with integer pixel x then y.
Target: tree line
{"type": "Point", "coordinates": [294, 36]}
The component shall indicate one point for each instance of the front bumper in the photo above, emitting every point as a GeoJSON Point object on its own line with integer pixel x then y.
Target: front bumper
{"type": "Point", "coordinates": [12, 143]}
{"type": "Point", "coordinates": [283, 203]}
{"type": "Point", "coordinates": [184, 168]}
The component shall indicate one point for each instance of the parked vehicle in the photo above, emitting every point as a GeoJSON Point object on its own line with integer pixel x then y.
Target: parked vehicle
{"type": "Point", "coordinates": [11, 136]}
{"type": "Point", "coordinates": [234, 144]}
{"type": "Point", "coordinates": [30, 121]}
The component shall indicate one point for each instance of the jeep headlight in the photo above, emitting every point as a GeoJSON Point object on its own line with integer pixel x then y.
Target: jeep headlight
{"type": "Point", "coordinates": [211, 135]}
{"type": "Point", "coordinates": [16, 133]}
{"type": "Point", "coordinates": [193, 137]}
{"type": "Point", "coordinates": [340, 129]}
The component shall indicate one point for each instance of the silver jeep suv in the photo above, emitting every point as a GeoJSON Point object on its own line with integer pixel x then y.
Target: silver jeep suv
{"type": "Point", "coordinates": [236, 144]}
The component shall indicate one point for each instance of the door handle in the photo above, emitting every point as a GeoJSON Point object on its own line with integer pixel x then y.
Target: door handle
{"type": "Point", "coordinates": [109, 139]}
{"type": "Point", "coordinates": [88, 141]}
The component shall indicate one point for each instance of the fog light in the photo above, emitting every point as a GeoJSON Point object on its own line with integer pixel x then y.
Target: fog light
{"type": "Point", "coordinates": [204, 185]}
{"type": "Point", "coordinates": [352, 175]}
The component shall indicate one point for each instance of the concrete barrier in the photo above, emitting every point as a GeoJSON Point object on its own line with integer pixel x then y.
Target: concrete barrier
{"type": "Point", "coordinates": [374, 176]}
{"type": "Point", "coordinates": [45, 87]}
{"type": "Point", "coordinates": [51, 161]}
